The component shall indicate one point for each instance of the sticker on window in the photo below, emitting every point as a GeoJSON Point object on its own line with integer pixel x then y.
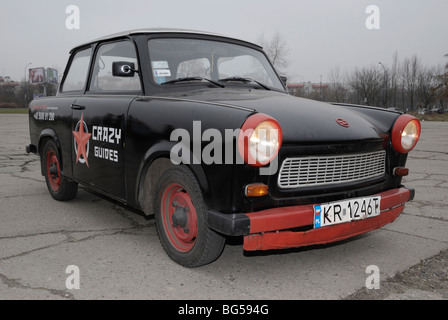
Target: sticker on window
{"type": "Point", "coordinates": [160, 80]}
{"type": "Point", "coordinates": [162, 73]}
{"type": "Point", "coordinates": [160, 64]}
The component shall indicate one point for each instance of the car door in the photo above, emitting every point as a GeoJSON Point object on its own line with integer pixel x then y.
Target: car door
{"type": "Point", "coordinates": [99, 121]}
{"type": "Point", "coordinates": [72, 87]}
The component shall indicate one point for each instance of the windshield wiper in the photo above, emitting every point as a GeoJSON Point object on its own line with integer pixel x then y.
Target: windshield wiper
{"type": "Point", "coordinates": [194, 79]}
{"type": "Point", "coordinates": [245, 80]}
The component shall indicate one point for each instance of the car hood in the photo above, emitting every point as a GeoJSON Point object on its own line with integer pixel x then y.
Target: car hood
{"type": "Point", "coordinates": [302, 120]}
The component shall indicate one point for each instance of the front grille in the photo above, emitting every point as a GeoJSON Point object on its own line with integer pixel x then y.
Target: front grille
{"type": "Point", "coordinates": [325, 170]}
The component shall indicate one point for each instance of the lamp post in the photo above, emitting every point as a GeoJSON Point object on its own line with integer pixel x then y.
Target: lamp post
{"type": "Point", "coordinates": [320, 87]}
{"type": "Point", "coordinates": [24, 82]}
{"type": "Point", "coordinates": [385, 84]}
{"type": "Point", "coordinates": [24, 72]}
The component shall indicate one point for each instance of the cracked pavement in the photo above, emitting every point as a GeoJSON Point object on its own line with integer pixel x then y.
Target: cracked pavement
{"type": "Point", "coordinates": [119, 255]}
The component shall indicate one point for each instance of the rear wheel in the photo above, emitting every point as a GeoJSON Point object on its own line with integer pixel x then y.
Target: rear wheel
{"type": "Point", "coordinates": [181, 214]}
{"type": "Point", "coordinates": [59, 186]}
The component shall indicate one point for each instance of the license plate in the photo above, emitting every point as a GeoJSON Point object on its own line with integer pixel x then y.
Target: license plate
{"type": "Point", "coordinates": [345, 211]}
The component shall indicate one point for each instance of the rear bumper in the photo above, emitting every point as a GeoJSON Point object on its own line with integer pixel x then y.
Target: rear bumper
{"type": "Point", "coordinates": [270, 229]}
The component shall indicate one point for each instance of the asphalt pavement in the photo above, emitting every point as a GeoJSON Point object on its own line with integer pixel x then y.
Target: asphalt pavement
{"type": "Point", "coordinates": [92, 248]}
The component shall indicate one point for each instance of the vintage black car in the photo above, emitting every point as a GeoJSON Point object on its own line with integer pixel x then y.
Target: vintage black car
{"type": "Point", "coordinates": [198, 130]}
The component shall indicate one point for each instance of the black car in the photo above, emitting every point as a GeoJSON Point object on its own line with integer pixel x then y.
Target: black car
{"type": "Point", "coordinates": [198, 130]}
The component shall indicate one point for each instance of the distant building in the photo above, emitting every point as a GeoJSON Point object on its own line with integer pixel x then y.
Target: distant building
{"type": "Point", "coordinates": [295, 89]}
{"type": "Point", "coordinates": [306, 88]}
{"type": "Point", "coordinates": [7, 82]}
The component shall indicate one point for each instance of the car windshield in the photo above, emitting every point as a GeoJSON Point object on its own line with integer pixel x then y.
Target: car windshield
{"type": "Point", "coordinates": [180, 61]}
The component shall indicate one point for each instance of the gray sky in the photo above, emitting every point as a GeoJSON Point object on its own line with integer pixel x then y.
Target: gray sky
{"type": "Point", "coordinates": [321, 34]}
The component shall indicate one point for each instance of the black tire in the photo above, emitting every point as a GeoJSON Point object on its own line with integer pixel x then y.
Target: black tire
{"type": "Point", "coordinates": [60, 187]}
{"type": "Point", "coordinates": [180, 214]}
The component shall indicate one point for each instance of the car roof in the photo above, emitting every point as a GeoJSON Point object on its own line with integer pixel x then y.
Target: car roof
{"type": "Point", "coordinates": [158, 30]}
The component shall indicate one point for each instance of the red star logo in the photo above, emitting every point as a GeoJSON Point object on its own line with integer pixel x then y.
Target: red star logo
{"type": "Point", "coordinates": [81, 138]}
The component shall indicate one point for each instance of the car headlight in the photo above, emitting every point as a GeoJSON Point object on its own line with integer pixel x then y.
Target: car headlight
{"type": "Point", "coordinates": [405, 133]}
{"type": "Point", "coordinates": [259, 140]}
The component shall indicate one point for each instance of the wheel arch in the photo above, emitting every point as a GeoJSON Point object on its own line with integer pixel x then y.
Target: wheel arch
{"type": "Point", "coordinates": [45, 135]}
{"type": "Point", "coordinates": [153, 169]}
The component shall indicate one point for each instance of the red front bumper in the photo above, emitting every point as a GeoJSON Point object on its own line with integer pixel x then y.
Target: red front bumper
{"type": "Point", "coordinates": [265, 225]}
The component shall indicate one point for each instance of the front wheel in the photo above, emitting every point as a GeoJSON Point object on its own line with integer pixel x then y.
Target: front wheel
{"type": "Point", "coordinates": [59, 186]}
{"type": "Point", "coordinates": [181, 214]}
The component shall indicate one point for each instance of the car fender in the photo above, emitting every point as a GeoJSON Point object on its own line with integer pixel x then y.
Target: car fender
{"type": "Point", "coordinates": [155, 162]}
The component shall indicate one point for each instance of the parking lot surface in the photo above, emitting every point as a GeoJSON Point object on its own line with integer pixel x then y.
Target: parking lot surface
{"type": "Point", "coordinates": [118, 254]}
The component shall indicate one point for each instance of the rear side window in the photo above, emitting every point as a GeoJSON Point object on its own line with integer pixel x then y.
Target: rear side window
{"type": "Point", "coordinates": [102, 75]}
{"type": "Point", "coordinates": [77, 74]}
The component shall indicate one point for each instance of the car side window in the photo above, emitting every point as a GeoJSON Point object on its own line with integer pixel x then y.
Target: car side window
{"type": "Point", "coordinates": [102, 75]}
{"type": "Point", "coordinates": [77, 74]}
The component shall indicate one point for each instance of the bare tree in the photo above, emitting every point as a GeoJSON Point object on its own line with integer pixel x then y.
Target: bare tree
{"type": "Point", "coordinates": [410, 71]}
{"type": "Point", "coordinates": [277, 50]}
{"type": "Point", "coordinates": [394, 77]}
{"type": "Point", "coordinates": [338, 90]}
{"type": "Point", "coordinates": [426, 82]}
{"type": "Point", "coordinates": [404, 85]}
{"type": "Point", "coordinates": [385, 85]}
{"type": "Point", "coordinates": [441, 87]}
{"type": "Point", "coordinates": [367, 83]}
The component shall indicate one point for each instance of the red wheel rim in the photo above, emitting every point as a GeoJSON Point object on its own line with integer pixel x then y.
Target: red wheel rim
{"type": "Point", "coordinates": [53, 170]}
{"type": "Point", "coordinates": [179, 217]}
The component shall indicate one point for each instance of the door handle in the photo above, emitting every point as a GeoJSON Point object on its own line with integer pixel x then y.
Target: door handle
{"type": "Point", "coordinates": [77, 107]}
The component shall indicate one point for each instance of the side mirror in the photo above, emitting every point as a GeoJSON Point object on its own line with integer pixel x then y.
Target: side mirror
{"type": "Point", "coordinates": [284, 79]}
{"type": "Point", "coordinates": [123, 69]}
